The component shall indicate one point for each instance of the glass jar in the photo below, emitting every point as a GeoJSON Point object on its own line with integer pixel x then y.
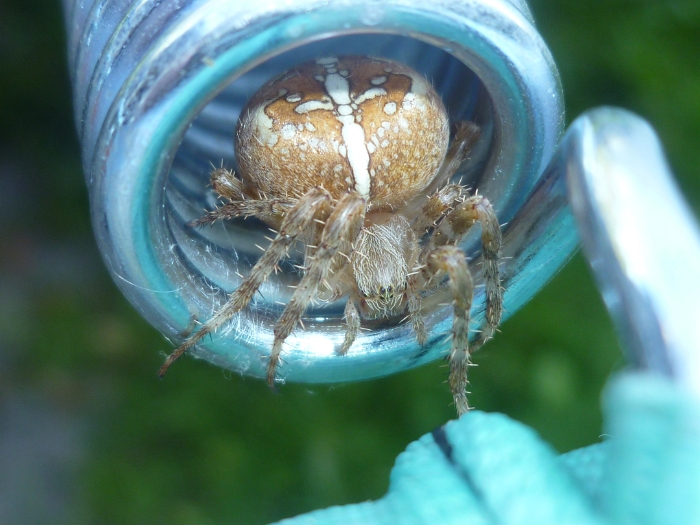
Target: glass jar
{"type": "Point", "coordinates": [158, 88]}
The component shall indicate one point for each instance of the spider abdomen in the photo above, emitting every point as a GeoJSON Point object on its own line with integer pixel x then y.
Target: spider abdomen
{"type": "Point", "coordinates": [369, 125]}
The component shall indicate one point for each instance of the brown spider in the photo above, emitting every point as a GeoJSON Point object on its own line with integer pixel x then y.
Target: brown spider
{"type": "Point", "coordinates": [350, 156]}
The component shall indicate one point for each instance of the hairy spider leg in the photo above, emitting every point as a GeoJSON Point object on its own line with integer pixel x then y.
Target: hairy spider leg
{"type": "Point", "coordinates": [435, 208]}
{"type": "Point", "coordinates": [431, 207]}
{"type": "Point", "coordinates": [452, 260]}
{"type": "Point", "coordinates": [452, 229]}
{"type": "Point", "coordinates": [315, 204]}
{"type": "Point", "coordinates": [228, 186]}
{"type": "Point", "coordinates": [341, 229]}
{"type": "Point", "coordinates": [453, 215]}
{"type": "Point", "coordinates": [415, 305]}
{"type": "Point", "coordinates": [491, 248]}
{"type": "Point", "coordinates": [242, 202]}
{"type": "Point", "coordinates": [352, 319]}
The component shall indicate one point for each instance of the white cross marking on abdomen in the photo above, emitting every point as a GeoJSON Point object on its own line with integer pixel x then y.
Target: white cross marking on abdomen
{"type": "Point", "coordinates": [338, 88]}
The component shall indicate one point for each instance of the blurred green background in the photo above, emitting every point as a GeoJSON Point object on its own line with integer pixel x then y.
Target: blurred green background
{"type": "Point", "coordinates": [89, 435]}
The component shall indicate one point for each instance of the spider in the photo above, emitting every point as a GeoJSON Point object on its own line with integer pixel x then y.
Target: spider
{"type": "Point", "coordinates": [351, 156]}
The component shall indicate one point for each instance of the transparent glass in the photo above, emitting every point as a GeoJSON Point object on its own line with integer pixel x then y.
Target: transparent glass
{"type": "Point", "coordinates": [158, 89]}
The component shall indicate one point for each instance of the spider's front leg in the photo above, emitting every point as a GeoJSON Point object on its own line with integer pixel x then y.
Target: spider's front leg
{"type": "Point", "coordinates": [452, 229]}
{"type": "Point", "coordinates": [452, 260]}
{"type": "Point", "coordinates": [315, 204]}
{"type": "Point", "coordinates": [341, 229]}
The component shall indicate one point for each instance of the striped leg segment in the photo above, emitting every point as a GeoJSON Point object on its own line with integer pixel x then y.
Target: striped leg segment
{"type": "Point", "coordinates": [341, 229]}
{"type": "Point", "coordinates": [453, 228]}
{"type": "Point", "coordinates": [451, 260]}
{"type": "Point", "coordinates": [315, 204]}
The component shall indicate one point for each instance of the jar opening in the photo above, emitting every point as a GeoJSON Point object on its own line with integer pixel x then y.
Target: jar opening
{"type": "Point", "coordinates": [220, 254]}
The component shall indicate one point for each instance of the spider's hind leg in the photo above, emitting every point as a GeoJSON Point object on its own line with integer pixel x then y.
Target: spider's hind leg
{"type": "Point", "coordinates": [242, 202]}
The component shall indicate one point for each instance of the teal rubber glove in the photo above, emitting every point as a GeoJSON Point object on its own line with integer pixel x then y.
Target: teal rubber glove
{"type": "Point", "coordinates": [488, 469]}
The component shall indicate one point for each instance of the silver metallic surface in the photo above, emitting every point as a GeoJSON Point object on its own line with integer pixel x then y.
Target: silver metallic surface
{"type": "Point", "coordinates": [158, 88]}
{"type": "Point", "coordinates": [640, 237]}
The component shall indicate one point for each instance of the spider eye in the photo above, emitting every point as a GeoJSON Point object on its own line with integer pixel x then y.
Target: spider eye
{"type": "Point", "coordinates": [390, 289]}
{"type": "Point", "coordinates": [382, 290]}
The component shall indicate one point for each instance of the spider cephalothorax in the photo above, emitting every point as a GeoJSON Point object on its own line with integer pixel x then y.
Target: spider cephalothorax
{"type": "Point", "coordinates": [350, 156]}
